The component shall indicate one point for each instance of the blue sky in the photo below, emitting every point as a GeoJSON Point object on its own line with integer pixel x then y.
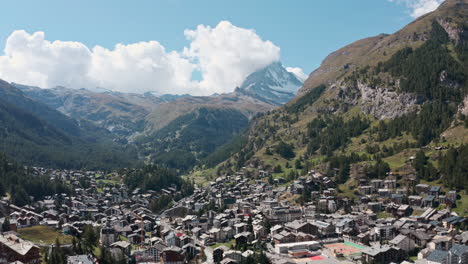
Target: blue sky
{"type": "Point", "coordinates": [304, 30]}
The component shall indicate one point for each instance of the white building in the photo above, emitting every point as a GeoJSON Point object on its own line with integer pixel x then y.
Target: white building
{"type": "Point", "coordinates": [306, 245]}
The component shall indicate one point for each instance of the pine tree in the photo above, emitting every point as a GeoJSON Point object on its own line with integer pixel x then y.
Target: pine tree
{"type": "Point", "coordinates": [19, 196]}
{"type": "Point", "coordinates": [90, 239]}
{"type": "Point", "coordinates": [56, 256]}
{"type": "Point", "coordinates": [249, 224]}
{"type": "Point", "coordinates": [106, 256]}
{"type": "Point", "coordinates": [270, 179]}
{"type": "Point", "coordinates": [6, 225]}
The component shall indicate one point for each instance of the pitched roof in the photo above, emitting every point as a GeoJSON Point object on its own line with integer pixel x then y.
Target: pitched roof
{"type": "Point", "coordinates": [454, 219]}
{"type": "Point", "coordinates": [296, 224]}
{"type": "Point", "coordinates": [429, 198]}
{"type": "Point", "coordinates": [421, 235]}
{"type": "Point", "coordinates": [438, 256]}
{"type": "Point", "coordinates": [374, 251]}
{"type": "Point", "coordinates": [398, 239]}
{"type": "Point", "coordinates": [459, 250]}
{"type": "Point", "coordinates": [222, 247]}
{"type": "Point", "coordinates": [122, 244]}
{"type": "Point", "coordinates": [17, 244]}
{"type": "Point", "coordinates": [80, 259]}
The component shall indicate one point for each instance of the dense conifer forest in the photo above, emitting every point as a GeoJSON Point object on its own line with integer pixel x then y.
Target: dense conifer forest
{"type": "Point", "coordinates": [18, 182]}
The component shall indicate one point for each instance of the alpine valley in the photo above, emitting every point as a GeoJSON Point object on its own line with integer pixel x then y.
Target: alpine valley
{"type": "Point", "coordinates": [365, 161]}
{"type": "Point", "coordinates": [372, 108]}
{"type": "Point", "coordinates": [178, 131]}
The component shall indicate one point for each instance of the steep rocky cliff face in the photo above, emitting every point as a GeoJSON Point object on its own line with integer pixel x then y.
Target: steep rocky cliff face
{"type": "Point", "coordinates": [379, 102]}
{"type": "Point", "coordinates": [455, 33]}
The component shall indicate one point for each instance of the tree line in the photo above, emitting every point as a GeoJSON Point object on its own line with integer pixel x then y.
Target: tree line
{"type": "Point", "coordinates": [21, 184]}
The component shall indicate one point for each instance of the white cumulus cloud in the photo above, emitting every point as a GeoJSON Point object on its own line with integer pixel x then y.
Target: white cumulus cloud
{"type": "Point", "coordinates": [30, 59]}
{"type": "Point", "coordinates": [141, 67]}
{"type": "Point", "coordinates": [145, 66]}
{"type": "Point", "coordinates": [298, 72]}
{"type": "Point", "coordinates": [226, 54]}
{"type": "Point", "coordinates": [418, 8]}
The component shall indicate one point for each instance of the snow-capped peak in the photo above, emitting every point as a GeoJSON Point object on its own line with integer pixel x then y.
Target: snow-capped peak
{"type": "Point", "coordinates": [273, 84]}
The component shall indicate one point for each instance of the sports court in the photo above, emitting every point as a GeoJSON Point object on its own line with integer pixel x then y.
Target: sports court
{"type": "Point", "coordinates": [344, 249]}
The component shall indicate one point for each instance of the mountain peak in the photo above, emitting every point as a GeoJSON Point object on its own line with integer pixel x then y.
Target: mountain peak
{"type": "Point", "coordinates": [272, 84]}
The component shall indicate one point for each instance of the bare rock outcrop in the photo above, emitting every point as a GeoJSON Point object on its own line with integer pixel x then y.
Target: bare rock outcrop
{"type": "Point", "coordinates": [453, 31]}
{"type": "Point", "coordinates": [463, 108]}
{"type": "Point", "coordinates": [380, 102]}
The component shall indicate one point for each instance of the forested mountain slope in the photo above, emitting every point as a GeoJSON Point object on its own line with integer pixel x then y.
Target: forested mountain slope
{"type": "Point", "coordinates": [36, 134]}
{"type": "Point", "coordinates": [373, 105]}
{"type": "Point", "coordinates": [20, 184]}
{"type": "Point", "coordinates": [191, 137]}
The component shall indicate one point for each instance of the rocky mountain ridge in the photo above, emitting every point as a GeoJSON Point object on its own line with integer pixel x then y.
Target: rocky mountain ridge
{"type": "Point", "coordinates": [186, 128]}
{"type": "Point", "coordinates": [273, 85]}
{"type": "Point", "coordinates": [128, 115]}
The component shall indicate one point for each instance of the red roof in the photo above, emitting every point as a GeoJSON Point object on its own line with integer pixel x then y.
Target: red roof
{"type": "Point", "coordinates": [316, 258]}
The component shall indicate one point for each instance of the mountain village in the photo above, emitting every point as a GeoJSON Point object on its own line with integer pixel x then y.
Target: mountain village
{"type": "Point", "coordinates": [235, 216]}
{"type": "Point", "coordinates": [247, 160]}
